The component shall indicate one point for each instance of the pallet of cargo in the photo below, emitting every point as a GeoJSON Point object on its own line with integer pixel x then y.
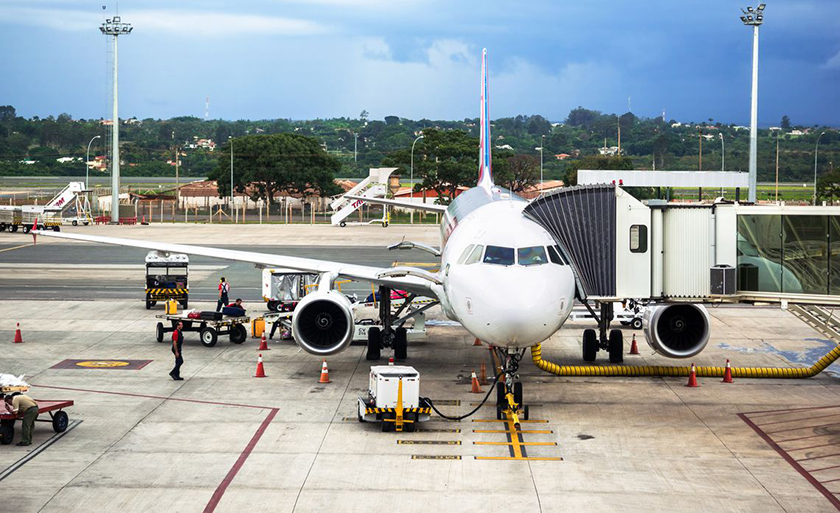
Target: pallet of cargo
{"type": "Point", "coordinates": [209, 329]}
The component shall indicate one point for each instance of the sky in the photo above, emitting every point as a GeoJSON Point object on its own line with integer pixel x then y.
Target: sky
{"type": "Point", "coordinates": [305, 59]}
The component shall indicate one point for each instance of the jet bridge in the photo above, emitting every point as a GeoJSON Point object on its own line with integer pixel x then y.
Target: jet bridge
{"type": "Point", "coordinates": [621, 248]}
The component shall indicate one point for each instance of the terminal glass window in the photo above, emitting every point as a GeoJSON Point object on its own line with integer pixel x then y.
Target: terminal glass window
{"type": "Point", "coordinates": [498, 255]}
{"type": "Point", "coordinates": [760, 253]}
{"type": "Point", "coordinates": [532, 256]}
{"type": "Point", "coordinates": [638, 238]}
{"type": "Point", "coordinates": [805, 254]}
{"type": "Point", "coordinates": [834, 255]}
{"type": "Point", "coordinates": [475, 256]}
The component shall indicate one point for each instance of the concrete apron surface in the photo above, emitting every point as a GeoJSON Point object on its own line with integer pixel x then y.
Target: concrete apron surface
{"type": "Point", "coordinates": [225, 441]}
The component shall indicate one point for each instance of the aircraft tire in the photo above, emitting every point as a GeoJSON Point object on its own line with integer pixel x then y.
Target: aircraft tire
{"type": "Point", "coordinates": [636, 323]}
{"type": "Point", "coordinates": [400, 344]}
{"type": "Point", "coordinates": [373, 344]}
{"type": "Point", "coordinates": [590, 345]}
{"type": "Point", "coordinates": [500, 394]}
{"type": "Point", "coordinates": [616, 346]}
{"type": "Point", "coordinates": [517, 393]}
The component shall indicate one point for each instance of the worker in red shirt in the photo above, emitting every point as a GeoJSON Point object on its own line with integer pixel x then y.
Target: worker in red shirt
{"type": "Point", "coordinates": [224, 289]}
{"type": "Point", "coordinates": [177, 342]}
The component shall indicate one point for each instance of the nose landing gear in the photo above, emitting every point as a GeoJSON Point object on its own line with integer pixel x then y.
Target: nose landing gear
{"type": "Point", "coordinates": [509, 400]}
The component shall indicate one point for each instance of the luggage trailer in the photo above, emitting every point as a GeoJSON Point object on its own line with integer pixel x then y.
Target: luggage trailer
{"type": "Point", "coordinates": [209, 329]}
{"type": "Point", "coordinates": [58, 418]}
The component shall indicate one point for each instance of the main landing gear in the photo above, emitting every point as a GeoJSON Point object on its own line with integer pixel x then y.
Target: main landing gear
{"type": "Point", "coordinates": [594, 342]}
{"type": "Point", "coordinates": [386, 335]}
{"type": "Point", "coordinates": [509, 399]}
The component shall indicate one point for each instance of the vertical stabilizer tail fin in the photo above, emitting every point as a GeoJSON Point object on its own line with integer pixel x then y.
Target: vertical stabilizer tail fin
{"type": "Point", "coordinates": [485, 174]}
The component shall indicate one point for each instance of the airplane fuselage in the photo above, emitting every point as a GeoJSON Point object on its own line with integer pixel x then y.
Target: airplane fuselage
{"type": "Point", "coordinates": [502, 277]}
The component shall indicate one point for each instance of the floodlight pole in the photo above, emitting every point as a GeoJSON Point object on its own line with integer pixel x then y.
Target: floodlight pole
{"type": "Point", "coordinates": [114, 27]}
{"type": "Point", "coordinates": [816, 149]}
{"type": "Point", "coordinates": [722, 153]}
{"type": "Point", "coordinates": [754, 18]}
{"type": "Point", "coordinates": [87, 159]}
{"type": "Point", "coordinates": [355, 147]}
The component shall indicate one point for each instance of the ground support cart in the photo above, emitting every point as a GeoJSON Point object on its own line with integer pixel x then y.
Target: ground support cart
{"type": "Point", "coordinates": [209, 329]}
{"type": "Point", "coordinates": [394, 399]}
{"type": "Point", "coordinates": [58, 418]}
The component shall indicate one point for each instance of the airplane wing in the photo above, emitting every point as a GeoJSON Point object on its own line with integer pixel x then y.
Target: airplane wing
{"type": "Point", "coordinates": [429, 207]}
{"type": "Point", "coordinates": [413, 280]}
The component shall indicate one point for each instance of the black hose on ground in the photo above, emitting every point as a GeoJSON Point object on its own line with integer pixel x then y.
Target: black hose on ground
{"type": "Point", "coordinates": [432, 404]}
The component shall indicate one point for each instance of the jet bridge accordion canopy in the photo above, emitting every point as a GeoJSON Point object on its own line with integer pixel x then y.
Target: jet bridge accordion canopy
{"type": "Point", "coordinates": [582, 220]}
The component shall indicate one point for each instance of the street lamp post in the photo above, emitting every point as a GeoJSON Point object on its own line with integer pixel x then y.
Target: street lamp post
{"type": "Point", "coordinates": [816, 149]}
{"type": "Point", "coordinates": [542, 145]}
{"type": "Point", "coordinates": [722, 153]}
{"type": "Point", "coordinates": [87, 159]}
{"type": "Point", "coordinates": [230, 137]}
{"type": "Point", "coordinates": [412, 173]}
{"type": "Point", "coordinates": [355, 147]}
{"type": "Point", "coordinates": [753, 18]}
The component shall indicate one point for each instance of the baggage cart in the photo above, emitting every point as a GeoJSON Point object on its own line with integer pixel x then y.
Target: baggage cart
{"type": "Point", "coordinates": [209, 329]}
{"type": "Point", "coordinates": [58, 418]}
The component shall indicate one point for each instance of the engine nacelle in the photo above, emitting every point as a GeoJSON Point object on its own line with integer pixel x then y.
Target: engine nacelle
{"type": "Point", "coordinates": [323, 323]}
{"type": "Point", "coordinates": [677, 330]}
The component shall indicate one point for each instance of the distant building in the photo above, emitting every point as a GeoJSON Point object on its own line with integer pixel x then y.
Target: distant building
{"type": "Point", "coordinates": [504, 147]}
{"type": "Point", "coordinates": [676, 125]}
{"type": "Point", "coordinates": [611, 151]}
{"type": "Point", "coordinates": [562, 156]}
{"type": "Point", "coordinates": [64, 160]}
{"type": "Point", "coordinates": [739, 127]}
{"type": "Point", "coordinates": [775, 128]}
{"type": "Point", "coordinates": [796, 133]}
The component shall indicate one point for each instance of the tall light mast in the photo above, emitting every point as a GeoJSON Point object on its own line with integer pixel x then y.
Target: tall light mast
{"type": "Point", "coordinates": [754, 18]}
{"type": "Point", "coordinates": [115, 28]}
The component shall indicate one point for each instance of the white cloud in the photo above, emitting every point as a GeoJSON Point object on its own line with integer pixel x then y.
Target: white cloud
{"type": "Point", "coordinates": [833, 62]}
{"type": "Point", "coordinates": [173, 21]}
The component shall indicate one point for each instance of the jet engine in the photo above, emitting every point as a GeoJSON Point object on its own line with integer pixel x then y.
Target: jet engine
{"type": "Point", "coordinates": [677, 330]}
{"type": "Point", "coordinates": [323, 323]}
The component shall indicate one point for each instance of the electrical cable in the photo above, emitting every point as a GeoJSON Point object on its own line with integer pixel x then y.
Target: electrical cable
{"type": "Point", "coordinates": [432, 404]}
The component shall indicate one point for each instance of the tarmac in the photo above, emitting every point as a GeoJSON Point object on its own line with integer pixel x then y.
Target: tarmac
{"type": "Point", "coordinates": [222, 440]}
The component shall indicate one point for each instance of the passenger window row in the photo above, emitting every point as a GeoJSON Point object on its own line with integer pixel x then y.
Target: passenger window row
{"type": "Point", "coordinates": [534, 255]}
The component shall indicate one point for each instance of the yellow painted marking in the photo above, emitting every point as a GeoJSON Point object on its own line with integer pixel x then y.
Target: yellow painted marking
{"type": "Point", "coordinates": [427, 457]}
{"type": "Point", "coordinates": [101, 363]}
{"type": "Point", "coordinates": [532, 421]}
{"type": "Point", "coordinates": [509, 458]}
{"type": "Point", "coordinates": [428, 442]}
{"type": "Point", "coordinates": [438, 430]}
{"type": "Point", "coordinates": [16, 247]}
{"type": "Point", "coordinates": [515, 443]}
{"type": "Point", "coordinates": [504, 431]}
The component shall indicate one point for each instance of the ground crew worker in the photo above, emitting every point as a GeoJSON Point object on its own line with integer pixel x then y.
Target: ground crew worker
{"type": "Point", "coordinates": [177, 341]}
{"type": "Point", "coordinates": [224, 288]}
{"type": "Point", "coordinates": [25, 407]}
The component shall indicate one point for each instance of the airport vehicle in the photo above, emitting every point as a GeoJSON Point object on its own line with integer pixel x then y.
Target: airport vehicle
{"type": "Point", "coordinates": [10, 218]}
{"type": "Point", "coordinates": [284, 288]}
{"type": "Point", "coordinates": [374, 186]}
{"type": "Point", "coordinates": [394, 398]}
{"type": "Point", "coordinates": [502, 276]}
{"type": "Point", "coordinates": [167, 277]}
{"type": "Point", "coordinates": [209, 329]}
{"type": "Point", "coordinates": [49, 216]}
{"type": "Point", "coordinates": [58, 418]}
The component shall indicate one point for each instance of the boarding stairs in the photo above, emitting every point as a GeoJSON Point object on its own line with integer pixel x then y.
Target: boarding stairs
{"type": "Point", "coordinates": [374, 186]}
{"type": "Point", "coordinates": [72, 195]}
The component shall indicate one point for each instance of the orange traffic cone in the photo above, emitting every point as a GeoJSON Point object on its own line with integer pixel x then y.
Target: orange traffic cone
{"type": "Point", "coordinates": [634, 349]}
{"type": "Point", "coordinates": [260, 368]}
{"type": "Point", "coordinates": [727, 374]}
{"type": "Point", "coordinates": [477, 342]}
{"type": "Point", "coordinates": [482, 374]}
{"type": "Point", "coordinates": [325, 373]}
{"type": "Point", "coordinates": [18, 336]}
{"type": "Point", "coordinates": [692, 378]}
{"type": "Point", "coordinates": [263, 344]}
{"type": "Point", "coordinates": [476, 388]}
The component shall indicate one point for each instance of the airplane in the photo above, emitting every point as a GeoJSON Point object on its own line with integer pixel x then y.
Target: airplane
{"type": "Point", "coordinates": [501, 276]}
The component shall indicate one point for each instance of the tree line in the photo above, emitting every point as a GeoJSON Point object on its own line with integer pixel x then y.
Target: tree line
{"type": "Point", "coordinates": [359, 143]}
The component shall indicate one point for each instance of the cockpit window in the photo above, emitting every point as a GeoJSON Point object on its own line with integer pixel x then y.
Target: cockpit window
{"type": "Point", "coordinates": [475, 256]}
{"type": "Point", "coordinates": [498, 255]}
{"type": "Point", "coordinates": [554, 255]}
{"type": "Point", "coordinates": [532, 256]}
{"type": "Point", "coordinates": [465, 254]}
